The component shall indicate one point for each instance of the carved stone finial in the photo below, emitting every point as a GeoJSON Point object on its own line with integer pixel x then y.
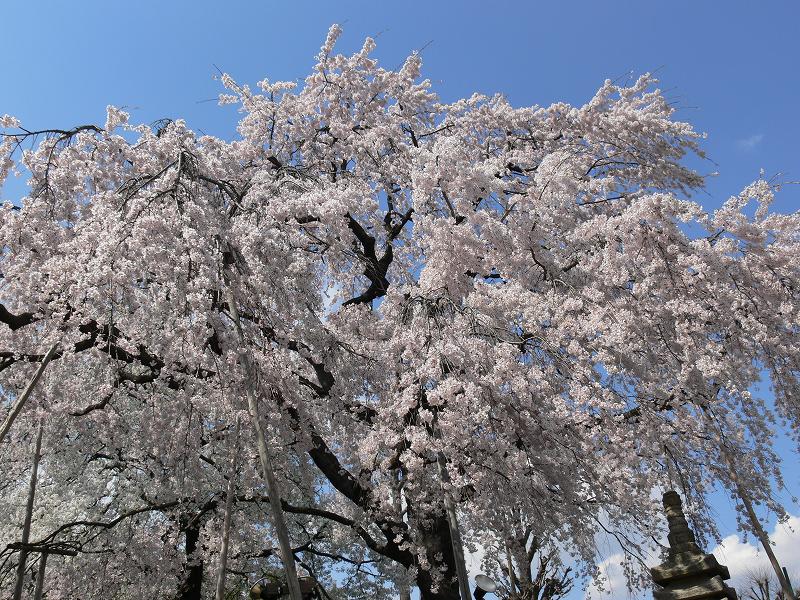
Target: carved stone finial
{"type": "Point", "coordinates": [681, 538]}
{"type": "Point", "coordinates": [688, 573]}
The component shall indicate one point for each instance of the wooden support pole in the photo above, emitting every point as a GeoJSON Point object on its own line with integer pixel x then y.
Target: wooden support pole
{"type": "Point", "coordinates": [788, 581]}
{"type": "Point", "coordinates": [45, 550]}
{"type": "Point", "coordinates": [273, 491]}
{"type": "Point", "coordinates": [26, 527]}
{"type": "Point", "coordinates": [40, 577]}
{"type": "Point", "coordinates": [752, 517]}
{"type": "Point", "coordinates": [755, 524]}
{"type": "Point", "coordinates": [226, 531]}
{"type": "Point", "coordinates": [226, 523]}
{"type": "Point", "coordinates": [452, 520]}
{"type": "Point", "coordinates": [27, 392]}
{"type": "Point", "coordinates": [763, 537]}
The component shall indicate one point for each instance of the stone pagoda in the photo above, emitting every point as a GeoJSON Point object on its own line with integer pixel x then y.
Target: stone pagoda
{"type": "Point", "coordinates": [688, 573]}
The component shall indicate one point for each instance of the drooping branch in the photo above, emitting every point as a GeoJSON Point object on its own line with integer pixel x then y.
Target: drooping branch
{"type": "Point", "coordinates": [348, 485]}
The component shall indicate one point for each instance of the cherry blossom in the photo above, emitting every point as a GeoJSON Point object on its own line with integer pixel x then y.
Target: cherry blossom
{"type": "Point", "coordinates": [526, 292]}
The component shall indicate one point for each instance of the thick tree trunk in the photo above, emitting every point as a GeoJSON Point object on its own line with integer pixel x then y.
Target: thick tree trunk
{"type": "Point", "coordinates": [437, 542]}
{"type": "Point", "coordinates": [455, 533]}
{"type": "Point", "coordinates": [193, 584]}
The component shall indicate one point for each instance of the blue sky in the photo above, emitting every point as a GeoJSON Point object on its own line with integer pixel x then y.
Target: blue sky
{"type": "Point", "coordinates": [731, 68]}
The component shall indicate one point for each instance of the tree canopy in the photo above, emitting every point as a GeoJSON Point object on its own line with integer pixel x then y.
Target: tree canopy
{"type": "Point", "coordinates": [523, 296]}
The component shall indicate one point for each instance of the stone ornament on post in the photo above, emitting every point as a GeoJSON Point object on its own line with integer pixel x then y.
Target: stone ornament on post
{"type": "Point", "coordinates": [688, 573]}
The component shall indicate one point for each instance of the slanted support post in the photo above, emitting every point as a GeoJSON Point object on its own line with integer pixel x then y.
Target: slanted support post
{"type": "Point", "coordinates": [26, 527]}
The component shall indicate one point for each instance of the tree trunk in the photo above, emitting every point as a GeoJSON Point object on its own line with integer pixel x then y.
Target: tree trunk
{"type": "Point", "coordinates": [193, 584]}
{"type": "Point", "coordinates": [436, 535]}
{"type": "Point", "coordinates": [455, 533]}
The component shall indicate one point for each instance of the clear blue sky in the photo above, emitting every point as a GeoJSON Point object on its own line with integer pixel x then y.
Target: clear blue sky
{"type": "Point", "coordinates": [732, 68]}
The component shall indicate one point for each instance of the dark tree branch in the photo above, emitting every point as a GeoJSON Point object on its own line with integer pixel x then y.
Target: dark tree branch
{"type": "Point", "coordinates": [14, 322]}
{"type": "Point", "coordinates": [375, 269]}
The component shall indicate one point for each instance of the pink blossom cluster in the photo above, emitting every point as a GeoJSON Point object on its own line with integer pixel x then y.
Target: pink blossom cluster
{"type": "Point", "coordinates": [525, 291]}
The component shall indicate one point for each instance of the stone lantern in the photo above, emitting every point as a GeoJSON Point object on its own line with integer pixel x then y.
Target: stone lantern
{"type": "Point", "coordinates": [688, 573]}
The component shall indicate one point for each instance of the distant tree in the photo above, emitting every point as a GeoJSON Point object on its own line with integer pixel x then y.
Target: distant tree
{"type": "Point", "coordinates": [761, 584]}
{"type": "Point", "coordinates": [528, 566]}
